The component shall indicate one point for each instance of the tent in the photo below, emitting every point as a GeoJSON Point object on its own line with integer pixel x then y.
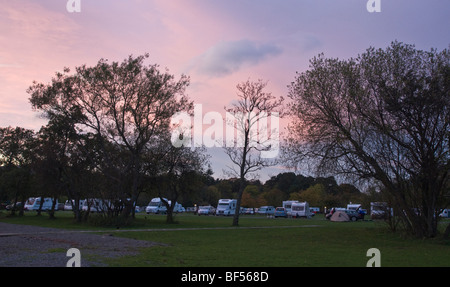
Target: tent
{"type": "Point", "coordinates": [340, 216]}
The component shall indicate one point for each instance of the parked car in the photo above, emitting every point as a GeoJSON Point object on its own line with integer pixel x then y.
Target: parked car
{"type": "Point", "coordinates": [248, 210]}
{"type": "Point", "coordinates": [314, 210]}
{"type": "Point", "coordinates": [354, 215]}
{"type": "Point", "coordinates": [280, 212]}
{"type": "Point", "coordinates": [206, 210]}
{"type": "Point", "coordinates": [11, 206]}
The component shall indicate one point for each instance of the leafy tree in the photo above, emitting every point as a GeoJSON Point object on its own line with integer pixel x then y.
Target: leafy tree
{"type": "Point", "coordinates": [127, 107]}
{"type": "Point", "coordinates": [251, 197]}
{"type": "Point", "coordinates": [17, 147]}
{"type": "Point", "coordinates": [384, 116]}
{"type": "Point", "coordinates": [181, 173]}
{"type": "Point", "coordinates": [315, 195]}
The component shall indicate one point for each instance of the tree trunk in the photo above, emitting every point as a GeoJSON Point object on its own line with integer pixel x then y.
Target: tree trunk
{"type": "Point", "coordinates": [40, 207]}
{"type": "Point", "coordinates": [24, 199]}
{"type": "Point", "coordinates": [447, 232]}
{"type": "Point", "coordinates": [238, 202]}
{"type": "Point", "coordinates": [51, 213]}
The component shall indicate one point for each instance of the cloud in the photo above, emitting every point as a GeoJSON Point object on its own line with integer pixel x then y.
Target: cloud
{"type": "Point", "coordinates": [226, 58]}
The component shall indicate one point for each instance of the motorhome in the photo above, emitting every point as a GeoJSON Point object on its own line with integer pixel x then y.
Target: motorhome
{"type": "Point", "coordinates": [288, 205]}
{"type": "Point", "coordinates": [157, 206]}
{"type": "Point", "coordinates": [300, 209]}
{"type": "Point", "coordinates": [33, 203]}
{"type": "Point", "coordinates": [226, 207]}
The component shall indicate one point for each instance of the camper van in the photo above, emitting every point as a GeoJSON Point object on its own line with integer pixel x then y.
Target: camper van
{"type": "Point", "coordinates": [157, 206]}
{"type": "Point", "coordinates": [226, 207]}
{"type": "Point", "coordinates": [33, 203]}
{"type": "Point", "coordinates": [288, 205]}
{"type": "Point", "coordinates": [300, 209]}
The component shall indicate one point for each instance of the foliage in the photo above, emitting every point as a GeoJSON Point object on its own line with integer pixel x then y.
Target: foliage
{"type": "Point", "coordinates": [384, 117]}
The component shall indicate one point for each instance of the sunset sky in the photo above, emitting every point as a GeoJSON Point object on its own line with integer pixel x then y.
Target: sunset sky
{"type": "Point", "coordinates": [218, 43]}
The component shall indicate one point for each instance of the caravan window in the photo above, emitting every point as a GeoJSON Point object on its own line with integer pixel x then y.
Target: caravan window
{"type": "Point", "coordinates": [298, 208]}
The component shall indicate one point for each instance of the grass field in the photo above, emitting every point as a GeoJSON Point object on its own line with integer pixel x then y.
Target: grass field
{"type": "Point", "coordinates": [211, 242]}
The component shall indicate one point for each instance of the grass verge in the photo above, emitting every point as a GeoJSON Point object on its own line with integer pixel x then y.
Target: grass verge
{"type": "Point", "coordinates": [211, 242]}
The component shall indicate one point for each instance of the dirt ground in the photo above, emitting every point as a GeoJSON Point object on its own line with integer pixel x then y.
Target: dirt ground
{"type": "Point", "coordinates": [31, 246]}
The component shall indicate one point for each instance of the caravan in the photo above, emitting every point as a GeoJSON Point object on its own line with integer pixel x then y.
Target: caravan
{"type": "Point", "coordinates": [380, 210]}
{"type": "Point", "coordinates": [226, 207]}
{"type": "Point", "coordinates": [70, 203]}
{"type": "Point", "coordinates": [288, 205]}
{"type": "Point", "coordinates": [95, 205]}
{"type": "Point", "coordinates": [445, 213]}
{"type": "Point", "coordinates": [156, 206]}
{"type": "Point", "coordinates": [33, 203]}
{"type": "Point", "coordinates": [300, 209]}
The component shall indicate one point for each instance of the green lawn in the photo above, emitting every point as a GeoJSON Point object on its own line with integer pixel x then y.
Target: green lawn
{"type": "Point", "coordinates": [261, 241]}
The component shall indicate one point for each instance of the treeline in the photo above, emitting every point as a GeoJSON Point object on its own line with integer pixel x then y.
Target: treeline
{"type": "Point", "coordinates": [108, 136]}
{"type": "Point", "coordinates": [318, 191]}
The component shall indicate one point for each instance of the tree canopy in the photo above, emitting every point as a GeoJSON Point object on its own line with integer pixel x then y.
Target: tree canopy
{"type": "Point", "coordinates": [383, 116]}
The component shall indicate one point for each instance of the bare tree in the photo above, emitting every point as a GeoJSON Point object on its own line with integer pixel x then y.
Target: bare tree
{"type": "Point", "coordinates": [256, 145]}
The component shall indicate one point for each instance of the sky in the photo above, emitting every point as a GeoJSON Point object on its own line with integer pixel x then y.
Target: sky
{"type": "Point", "coordinates": [217, 43]}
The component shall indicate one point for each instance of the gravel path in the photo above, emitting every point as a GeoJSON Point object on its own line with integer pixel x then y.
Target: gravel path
{"type": "Point", "coordinates": [31, 246]}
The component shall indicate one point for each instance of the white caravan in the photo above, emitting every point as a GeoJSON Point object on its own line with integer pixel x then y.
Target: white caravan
{"type": "Point", "coordinates": [95, 205]}
{"type": "Point", "coordinates": [380, 210]}
{"type": "Point", "coordinates": [70, 203]}
{"type": "Point", "coordinates": [156, 206]}
{"type": "Point", "coordinates": [300, 209]}
{"type": "Point", "coordinates": [33, 203]}
{"type": "Point", "coordinates": [288, 205]}
{"type": "Point", "coordinates": [226, 207]}
{"type": "Point", "coordinates": [445, 213]}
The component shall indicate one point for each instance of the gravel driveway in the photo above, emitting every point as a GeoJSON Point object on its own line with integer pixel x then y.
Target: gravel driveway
{"type": "Point", "coordinates": [31, 246]}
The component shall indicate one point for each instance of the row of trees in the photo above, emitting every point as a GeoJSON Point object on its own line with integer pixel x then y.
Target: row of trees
{"type": "Point", "coordinates": [108, 134]}
{"type": "Point", "coordinates": [321, 192]}
{"type": "Point", "coordinates": [382, 118]}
